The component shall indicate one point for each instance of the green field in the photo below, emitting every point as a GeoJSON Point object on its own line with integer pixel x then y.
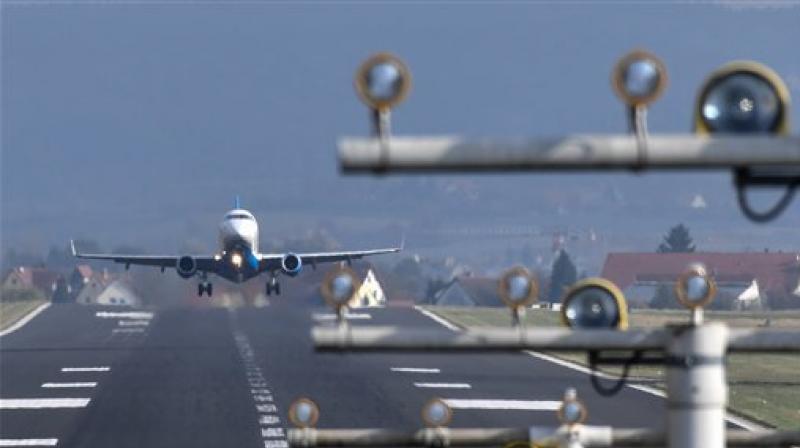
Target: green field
{"type": "Point", "coordinates": [764, 387]}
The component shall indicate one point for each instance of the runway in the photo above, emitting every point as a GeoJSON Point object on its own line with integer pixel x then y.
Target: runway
{"type": "Point", "coordinates": [202, 376]}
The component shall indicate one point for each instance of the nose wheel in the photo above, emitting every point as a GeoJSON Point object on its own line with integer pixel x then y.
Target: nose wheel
{"type": "Point", "coordinates": [273, 286]}
{"type": "Point", "coordinates": [205, 288]}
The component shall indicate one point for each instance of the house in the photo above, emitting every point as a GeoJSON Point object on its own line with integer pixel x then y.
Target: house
{"type": "Point", "coordinates": [370, 293]}
{"type": "Point", "coordinates": [470, 291]}
{"type": "Point", "coordinates": [41, 279]}
{"type": "Point", "coordinates": [745, 276]}
{"type": "Point", "coordinates": [118, 293]}
{"type": "Point", "coordinates": [90, 291]}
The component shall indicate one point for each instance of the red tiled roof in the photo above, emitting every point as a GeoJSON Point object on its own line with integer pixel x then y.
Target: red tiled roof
{"type": "Point", "coordinates": [85, 270]}
{"type": "Point", "coordinates": [773, 271]}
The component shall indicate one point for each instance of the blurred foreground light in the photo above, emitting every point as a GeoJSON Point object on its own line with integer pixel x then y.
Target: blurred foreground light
{"type": "Point", "coordinates": [572, 410]}
{"type": "Point", "coordinates": [594, 303]}
{"type": "Point", "coordinates": [304, 413]}
{"type": "Point", "coordinates": [340, 286]}
{"type": "Point", "coordinates": [436, 413]}
{"type": "Point", "coordinates": [518, 288]}
{"type": "Point", "coordinates": [695, 287]}
{"type": "Point", "coordinates": [382, 81]}
{"type": "Point", "coordinates": [743, 98]}
{"type": "Point", "coordinates": [639, 78]}
{"type": "Point", "coordinates": [236, 260]}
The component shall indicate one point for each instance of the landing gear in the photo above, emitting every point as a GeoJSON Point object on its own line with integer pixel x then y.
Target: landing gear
{"type": "Point", "coordinates": [205, 287]}
{"type": "Point", "coordinates": [273, 286]}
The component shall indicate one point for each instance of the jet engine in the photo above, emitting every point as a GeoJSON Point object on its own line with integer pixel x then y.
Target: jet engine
{"type": "Point", "coordinates": [291, 264]}
{"type": "Point", "coordinates": [186, 266]}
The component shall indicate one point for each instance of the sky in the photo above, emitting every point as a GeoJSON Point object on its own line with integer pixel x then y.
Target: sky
{"type": "Point", "coordinates": [138, 122]}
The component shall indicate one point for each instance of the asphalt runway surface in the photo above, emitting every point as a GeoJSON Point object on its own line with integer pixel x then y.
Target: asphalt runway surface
{"type": "Point", "coordinates": [199, 376]}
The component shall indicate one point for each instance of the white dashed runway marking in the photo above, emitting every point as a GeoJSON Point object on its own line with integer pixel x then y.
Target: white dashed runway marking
{"type": "Point", "coordinates": [414, 370]}
{"type": "Point", "coordinates": [128, 330]}
{"type": "Point", "coordinates": [443, 385]}
{"type": "Point", "coordinates": [68, 385]}
{"type": "Point", "coordinates": [133, 323]}
{"type": "Point", "coordinates": [519, 405]}
{"type": "Point", "coordinates": [348, 316]}
{"type": "Point", "coordinates": [86, 369]}
{"type": "Point", "coordinates": [43, 403]}
{"type": "Point", "coordinates": [28, 442]}
{"type": "Point", "coordinates": [124, 315]}
{"type": "Point", "coordinates": [268, 420]}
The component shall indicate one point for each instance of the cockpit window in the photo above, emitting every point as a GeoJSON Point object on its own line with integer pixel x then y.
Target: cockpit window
{"type": "Point", "coordinates": [239, 216]}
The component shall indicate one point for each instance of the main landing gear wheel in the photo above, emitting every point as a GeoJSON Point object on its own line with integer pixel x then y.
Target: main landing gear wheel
{"type": "Point", "coordinates": [206, 287]}
{"type": "Point", "coordinates": [273, 286]}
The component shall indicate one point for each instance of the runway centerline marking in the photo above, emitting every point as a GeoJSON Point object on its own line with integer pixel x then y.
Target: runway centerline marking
{"type": "Point", "coordinates": [86, 369]}
{"type": "Point", "coordinates": [414, 370]}
{"type": "Point", "coordinates": [124, 315]}
{"type": "Point", "coordinates": [517, 405]}
{"type": "Point", "coordinates": [443, 385]}
{"type": "Point", "coordinates": [43, 403]}
{"type": "Point", "coordinates": [28, 442]}
{"type": "Point", "coordinates": [68, 385]}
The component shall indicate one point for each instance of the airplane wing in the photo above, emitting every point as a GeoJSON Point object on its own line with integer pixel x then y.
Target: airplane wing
{"type": "Point", "coordinates": [273, 261]}
{"type": "Point", "coordinates": [204, 262]}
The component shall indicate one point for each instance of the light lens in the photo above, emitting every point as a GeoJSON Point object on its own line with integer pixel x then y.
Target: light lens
{"type": "Point", "coordinates": [384, 81]}
{"type": "Point", "coordinates": [236, 259]}
{"type": "Point", "coordinates": [696, 288]}
{"type": "Point", "coordinates": [519, 287]}
{"type": "Point", "coordinates": [572, 412]}
{"type": "Point", "coordinates": [342, 287]}
{"type": "Point", "coordinates": [742, 102]}
{"type": "Point", "coordinates": [592, 307]}
{"type": "Point", "coordinates": [304, 413]}
{"type": "Point", "coordinates": [436, 413]}
{"type": "Point", "coordinates": [641, 78]}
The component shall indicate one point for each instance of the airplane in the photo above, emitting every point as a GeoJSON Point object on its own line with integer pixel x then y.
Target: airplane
{"type": "Point", "coordinates": [238, 259]}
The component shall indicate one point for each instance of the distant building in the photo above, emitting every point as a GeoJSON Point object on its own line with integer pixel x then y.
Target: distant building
{"type": "Point", "coordinates": [41, 279]}
{"type": "Point", "coordinates": [745, 276]}
{"type": "Point", "coordinates": [370, 294]}
{"type": "Point", "coordinates": [91, 290]}
{"type": "Point", "coordinates": [118, 293]}
{"type": "Point", "coordinates": [470, 291]}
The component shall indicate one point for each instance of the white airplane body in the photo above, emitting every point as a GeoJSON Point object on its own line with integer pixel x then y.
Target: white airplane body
{"type": "Point", "coordinates": [238, 259]}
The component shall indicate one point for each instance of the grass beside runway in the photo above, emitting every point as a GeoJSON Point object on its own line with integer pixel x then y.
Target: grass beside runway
{"type": "Point", "coordinates": [764, 387]}
{"type": "Point", "coordinates": [12, 311]}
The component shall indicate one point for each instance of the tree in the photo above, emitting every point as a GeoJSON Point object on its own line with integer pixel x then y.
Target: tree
{"type": "Point", "coordinates": [677, 240]}
{"type": "Point", "coordinates": [563, 275]}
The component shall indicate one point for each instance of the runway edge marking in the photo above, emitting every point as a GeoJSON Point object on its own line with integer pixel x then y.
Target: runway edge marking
{"type": "Point", "coordinates": [736, 420]}
{"type": "Point", "coordinates": [25, 319]}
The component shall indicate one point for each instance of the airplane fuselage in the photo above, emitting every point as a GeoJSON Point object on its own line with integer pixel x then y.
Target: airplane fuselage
{"type": "Point", "coordinates": [238, 244]}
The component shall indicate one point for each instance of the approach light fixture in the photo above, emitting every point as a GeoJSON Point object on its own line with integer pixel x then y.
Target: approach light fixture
{"type": "Point", "coordinates": [594, 303]}
{"type": "Point", "coordinates": [339, 287]}
{"type": "Point", "coordinates": [518, 288]}
{"type": "Point", "coordinates": [639, 78]}
{"type": "Point", "coordinates": [236, 260]}
{"type": "Point", "coordinates": [382, 81]}
{"type": "Point", "coordinates": [304, 413]}
{"type": "Point", "coordinates": [695, 287]}
{"type": "Point", "coordinates": [572, 411]}
{"type": "Point", "coordinates": [436, 413]}
{"type": "Point", "coordinates": [743, 97]}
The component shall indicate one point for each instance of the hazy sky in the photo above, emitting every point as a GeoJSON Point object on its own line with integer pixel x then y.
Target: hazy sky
{"type": "Point", "coordinates": [140, 121]}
